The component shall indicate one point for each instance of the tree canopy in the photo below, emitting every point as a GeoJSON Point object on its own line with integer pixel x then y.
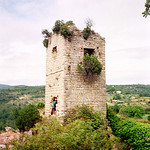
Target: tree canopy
{"type": "Point", "coordinates": [27, 117]}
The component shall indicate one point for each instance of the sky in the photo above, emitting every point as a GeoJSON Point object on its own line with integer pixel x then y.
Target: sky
{"type": "Point", "coordinates": [127, 35]}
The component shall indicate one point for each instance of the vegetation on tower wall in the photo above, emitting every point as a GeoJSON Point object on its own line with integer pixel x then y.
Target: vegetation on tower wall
{"type": "Point", "coordinates": [46, 34]}
{"type": "Point", "coordinates": [147, 9]}
{"type": "Point", "coordinates": [45, 43]}
{"type": "Point", "coordinates": [62, 28]}
{"type": "Point", "coordinates": [86, 32]}
{"type": "Point", "coordinates": [90, 65]}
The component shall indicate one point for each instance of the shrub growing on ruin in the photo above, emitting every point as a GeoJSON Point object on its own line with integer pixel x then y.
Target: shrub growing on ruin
{"type": "Point", "coordinates": [90, 65]}
{"type": "Point", "coordinates": [57, 26]}
{"type": "Point", "coordinates": [86, 32]}
{"type": "Point", "coordinates": [62, 28]}
{"type": "Point", "coordinates": [45, 43]}
{"type": "Point", "coordinates": [46, 34]}
{"type": "Point", "coordinates": [65, 32]}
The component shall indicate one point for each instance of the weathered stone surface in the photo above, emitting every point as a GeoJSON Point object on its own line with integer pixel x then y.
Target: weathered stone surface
{"type": "Point", "coordinates": [63, 79]}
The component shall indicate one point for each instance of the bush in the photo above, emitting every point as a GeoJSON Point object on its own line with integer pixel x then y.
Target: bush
{"type": "Point", "coordinates": [86, 32]}
{"type": "Point", "coordinates": [134, 133]}
{"type": "Point", "coordinates": [83, 129]}
{"type": "Point", "coordinates": [45, 43]}
{"type": "Point", "coordinates": [62, 28]}
{"type": "Point", "coordinates": [58, 25]}
{"type": "Point", "coordinates": [85, 113]}
{"type": "Point", "coordinates": [80, 134]}
{"type": "Point", "coordinates": [65, 32]}
{"type": "Point", "coordinates": [90, 65]}
{"type": "Point", "coordinates": [40, 105]}
{"type": "Point", "coordinates": [28, 116]}
{"type": "Point", "coordinates": [132, 111]}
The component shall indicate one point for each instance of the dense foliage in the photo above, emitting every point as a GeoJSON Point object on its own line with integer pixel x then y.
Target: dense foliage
{"type": "Point", "coordinates": [90, 65]}
{"type": "Point", "coordinates": [132, 111]}
{"type": "Point", "coordinates": [28, 116]}
{"type": "Point", "coordinates": [13, 99]}
{"type": "Point", "coordinates": [83, 129]}
{"type": "Point", "coordinates": [62, 28]}
{"type": "Point", "coordinates": [134, 133]}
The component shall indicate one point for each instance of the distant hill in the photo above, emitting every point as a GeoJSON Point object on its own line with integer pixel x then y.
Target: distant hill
{"type": "Point", "coordinates": [140, 89]}
{"type": "Point", "coordinates": [4, 86]}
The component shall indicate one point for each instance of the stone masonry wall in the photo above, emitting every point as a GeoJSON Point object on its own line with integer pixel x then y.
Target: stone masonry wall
{"type": "Point", "coordinates": [55, 73]}
{"type": "Point", "coordinates": [64, 80]}
{"type": "Point", "coordinates": [80, 89]}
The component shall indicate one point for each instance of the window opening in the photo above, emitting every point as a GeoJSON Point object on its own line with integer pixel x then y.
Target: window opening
{"type": "Point", "coordinates": [89, 51]}
{"type": "Point", "coordinates": [54, 49]}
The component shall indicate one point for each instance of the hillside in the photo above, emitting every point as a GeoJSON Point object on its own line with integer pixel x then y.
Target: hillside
{"type": "Point", "coordinates": [4, 86]}
{"type": "Point", "coordinates": [129, 95]}
{"type": "Point", "coordinates": [140, 89]}
{"type": "Point", "coordinates": [18, 97]}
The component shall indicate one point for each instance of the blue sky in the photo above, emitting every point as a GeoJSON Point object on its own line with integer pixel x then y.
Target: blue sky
{"type": "Point", "coordinates": [127, 34]}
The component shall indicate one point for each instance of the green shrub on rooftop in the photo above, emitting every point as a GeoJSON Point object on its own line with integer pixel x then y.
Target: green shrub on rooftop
{"type": "Point", "coordinates": [62, 28]}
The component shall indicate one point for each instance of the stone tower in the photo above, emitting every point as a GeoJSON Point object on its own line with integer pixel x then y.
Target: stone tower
{"type": "Point", "coordinates": [62, 77]}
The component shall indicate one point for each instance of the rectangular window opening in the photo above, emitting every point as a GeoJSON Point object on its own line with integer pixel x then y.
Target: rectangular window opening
{"type": "Point", "coordinates": [89, 51]}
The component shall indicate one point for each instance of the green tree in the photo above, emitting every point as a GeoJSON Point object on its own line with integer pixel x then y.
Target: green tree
{"type": "Point", "coordinates": [15, 113]}
{"type": "Point", "coordinates": [147, 9]}
{"type": "Point", "coordinates": [57, 26]}
{"type": "Point", "coordinates": [28, 116]}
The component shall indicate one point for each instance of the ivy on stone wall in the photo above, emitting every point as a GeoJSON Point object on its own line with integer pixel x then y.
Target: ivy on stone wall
{"type": "Point", "coordinates": [90, 65]}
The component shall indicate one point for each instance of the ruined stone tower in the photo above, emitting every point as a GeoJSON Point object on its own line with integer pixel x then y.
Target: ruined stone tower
{"type": "Point", "coordinates": [63, 79]}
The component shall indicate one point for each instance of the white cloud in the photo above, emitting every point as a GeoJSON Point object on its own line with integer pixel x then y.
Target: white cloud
{"type": "Point", "coordinates": [128, 66]}
{"type": "Point", "coordinates": [22, 56]}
